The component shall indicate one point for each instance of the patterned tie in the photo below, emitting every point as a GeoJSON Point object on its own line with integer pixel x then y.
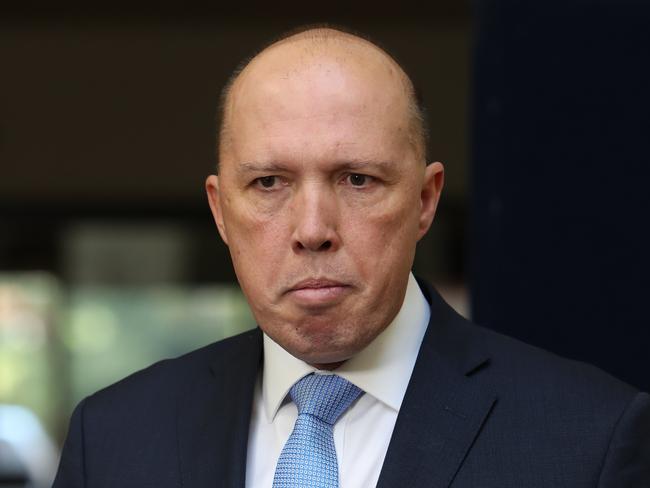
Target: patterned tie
{"type": "Point", "coordinates": [308, 459]}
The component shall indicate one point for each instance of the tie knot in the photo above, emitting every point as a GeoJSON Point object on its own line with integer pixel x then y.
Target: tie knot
{"type": "Point", "coordinates": [324, 396]}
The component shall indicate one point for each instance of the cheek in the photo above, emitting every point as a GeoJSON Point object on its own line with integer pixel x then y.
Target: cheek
{"type": "Point", "coordinates": [249, 220]}
{"type": "Point", "coordinates": [255, 239]}
{"type": "Point", "coordinates": [383, 236]}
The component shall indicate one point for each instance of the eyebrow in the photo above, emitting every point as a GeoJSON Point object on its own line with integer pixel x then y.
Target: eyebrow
{"type": "Point", "coordinates": [365, 163]}
{"type": "Point", "coordinates": [354, 164]}
{"type": "Point", "coordinates": [248, 167]}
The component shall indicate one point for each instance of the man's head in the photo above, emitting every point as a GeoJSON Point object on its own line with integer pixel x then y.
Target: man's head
{"type": "Point", "coordinates": [323, 191]}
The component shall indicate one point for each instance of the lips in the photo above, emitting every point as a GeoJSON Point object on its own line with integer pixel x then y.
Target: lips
{"type": "Point", "coordinates": [318, 291]}
{"type": "Point", "coordinates": [316, 283]}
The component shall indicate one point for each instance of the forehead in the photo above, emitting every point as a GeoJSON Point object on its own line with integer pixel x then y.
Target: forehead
{"type": "Point", "coordinates": [341, 98]}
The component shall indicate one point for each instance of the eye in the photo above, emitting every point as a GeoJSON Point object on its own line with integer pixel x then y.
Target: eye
{"type": "Point", "coordinates": [266, 181]}
{"type": "Point", "coordinates": [357, 179]}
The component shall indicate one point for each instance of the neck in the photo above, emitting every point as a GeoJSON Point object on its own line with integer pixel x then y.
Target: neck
{"type": "Point", "coordinates": [327, 366]}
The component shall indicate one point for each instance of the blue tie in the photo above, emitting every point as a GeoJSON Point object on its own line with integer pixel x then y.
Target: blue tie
{"type": "Point", "coordinates": [308, 459]}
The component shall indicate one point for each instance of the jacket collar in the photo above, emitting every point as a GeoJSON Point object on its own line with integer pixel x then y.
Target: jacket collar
{"type": "Point", "coordinates": [445, 404]}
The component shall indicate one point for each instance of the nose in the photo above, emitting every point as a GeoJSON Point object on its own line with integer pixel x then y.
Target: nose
{"type": "Point", "coordinates": [316, 221]}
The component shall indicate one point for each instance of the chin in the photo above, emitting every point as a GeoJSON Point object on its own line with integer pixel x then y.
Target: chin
{"type": "Point", "coordinates": [316, 341]}
{"type": "Point", "coordinates": [330, 360]}
{"type": "Point", "coordinates": [326, 347]}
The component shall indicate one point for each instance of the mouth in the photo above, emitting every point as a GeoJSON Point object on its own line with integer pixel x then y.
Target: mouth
{"type": "Point", "coordinates": [318, 291]}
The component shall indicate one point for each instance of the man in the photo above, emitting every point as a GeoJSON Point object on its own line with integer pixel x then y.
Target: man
{"type": "Point", "coordinates": [321, 195]}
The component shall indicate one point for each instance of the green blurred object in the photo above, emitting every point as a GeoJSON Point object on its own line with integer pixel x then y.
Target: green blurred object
{"type": "Point", "coordinates": [29, 312]}
{"type": "Point", "coordinates": [112, 332]}
{"type": "Point", "coordinates": [59, 344]}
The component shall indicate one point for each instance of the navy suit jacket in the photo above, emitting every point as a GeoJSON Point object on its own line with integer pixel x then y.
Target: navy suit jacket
{"type": "Point", "coordinates": [481, 411]}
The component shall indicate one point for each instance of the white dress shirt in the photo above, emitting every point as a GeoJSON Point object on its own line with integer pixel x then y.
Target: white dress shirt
{"type": "Point", "coordinates": [362, 434]}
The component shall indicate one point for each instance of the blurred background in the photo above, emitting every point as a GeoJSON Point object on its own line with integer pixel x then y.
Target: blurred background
{"type": "Point", "coordinates": [109, 259]}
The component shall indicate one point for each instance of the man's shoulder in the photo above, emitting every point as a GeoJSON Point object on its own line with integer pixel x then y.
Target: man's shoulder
{"type": "Point", "coordinates": [517, 368]}
{"type": "Point", "coordinates": [166, 380]}
{"type": "Point", "coordinates": [508, 362]}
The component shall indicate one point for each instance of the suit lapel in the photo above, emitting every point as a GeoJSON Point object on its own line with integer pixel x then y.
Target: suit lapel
{"type": "Point", "coordinates": [214, 416]}
{"type": "Point", "coordinates": [444, 408]}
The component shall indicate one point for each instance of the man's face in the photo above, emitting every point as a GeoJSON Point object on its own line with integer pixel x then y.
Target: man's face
{"type": "Point", "coordinates": [321, 201]}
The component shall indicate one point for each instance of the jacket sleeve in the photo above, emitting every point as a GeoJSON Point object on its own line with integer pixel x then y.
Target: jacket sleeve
{"type": "Point", "coordinates": [71, 467]}
{"type": "Point", "coordinates": [627, 463]}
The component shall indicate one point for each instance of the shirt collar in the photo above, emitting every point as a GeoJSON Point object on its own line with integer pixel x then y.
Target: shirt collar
{"type": "Point", "coordinates": [383, 369]}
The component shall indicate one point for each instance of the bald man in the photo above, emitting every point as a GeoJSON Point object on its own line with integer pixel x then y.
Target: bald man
{"type": "Point", "coordinates": [358, 375]}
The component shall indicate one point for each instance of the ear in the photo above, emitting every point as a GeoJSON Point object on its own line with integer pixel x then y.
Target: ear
{"type": "Point", "coordinates": [214, 198]}
{"type": "Point", "coordinates": [434, 179]}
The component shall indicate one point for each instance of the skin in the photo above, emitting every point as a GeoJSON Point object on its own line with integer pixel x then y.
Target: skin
{"type": "Point", "coordinates": [321, 196]}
